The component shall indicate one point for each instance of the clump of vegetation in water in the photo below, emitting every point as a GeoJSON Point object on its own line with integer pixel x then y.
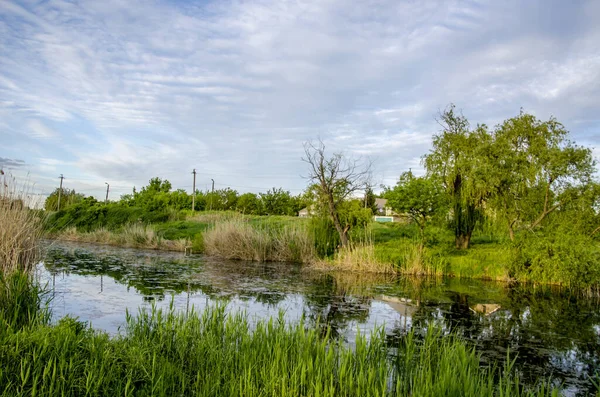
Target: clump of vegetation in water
{"type": "Point", "coordinates": [135, 235]}
{"type": "Point", "coordinates": [238, 239]}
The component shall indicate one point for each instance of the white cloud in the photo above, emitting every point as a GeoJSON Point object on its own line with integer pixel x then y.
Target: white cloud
{"type": "Point", "coordinates": [37, 129]}
{"type": "Point", "coordinates": [130, 90]}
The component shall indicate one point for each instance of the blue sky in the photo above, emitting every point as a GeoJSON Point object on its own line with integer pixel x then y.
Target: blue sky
{"type": "Point", "coordinates": [121, 91]}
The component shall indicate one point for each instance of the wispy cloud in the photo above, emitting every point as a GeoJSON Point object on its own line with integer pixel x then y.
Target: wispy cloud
{"type": "Point", "coordinates": [124, 91]}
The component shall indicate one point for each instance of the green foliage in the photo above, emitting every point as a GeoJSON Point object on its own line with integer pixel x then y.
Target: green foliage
{"type": "Point", "coordinates": [534, 169]}
{"type": "Point", "coordinates": [455, 162]}
{"type": "Point", "coordinates": [67, 198]}
{"type": "Point", "coordinates": [557, 257]}
{"type": "Point", "coordinates": [325, 236]}
{"type": "Point", "coordinates": [249, 203]}
{"type": "Point", "coordinates": [370, 200]}
{"type": "Point", "coordinates": [22, 303]}
{"type": "Point", "coordinates": [421, 198]}
{"type": "Point", "coordinates": [279, 202]}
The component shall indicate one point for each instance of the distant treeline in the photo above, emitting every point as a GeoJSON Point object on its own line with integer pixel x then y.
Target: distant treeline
{"type": "Point", "coordinates": [157, 202]}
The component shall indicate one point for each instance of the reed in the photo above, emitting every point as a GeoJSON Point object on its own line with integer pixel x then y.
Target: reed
{"type": "Point", "coordinates": [358, 258]}
{"type": "Point", "coordinates": [20, 227]}
{"type": "Point", "coordinates": [131, 235]}
{"type": "Point", "coordinates": [163, 353]}
{"type": "Point", "coordinates": [236, 238]}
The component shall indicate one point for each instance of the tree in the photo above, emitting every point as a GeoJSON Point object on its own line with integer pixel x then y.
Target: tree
{"type": "Point", "coordinates": [456, 161]}
{"type": "Point", "coordinates": [249, 203]}
{"type": "Point", "coordinates": [68, 198]}
{"type": "Point", "coordinates": [335, 178]}
{"type": "Point", "coordinates": [277, 202]}
{"type": "Point", "coordinates": [421, 198]}
{"type": "Point", "coordinates": [370, 200]}
{"type": "Point", "coordinates": [536, 169]}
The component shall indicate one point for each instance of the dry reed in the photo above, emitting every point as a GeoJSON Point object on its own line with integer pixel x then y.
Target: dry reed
{"type": "Point", "coordinates": [237, 239]}
{"type": "Point", "coordinates": [358, 258]}
{"type": "Point", "coordinates": [20, 227]}
{"type": "Point", "coordinates": [132, 235]}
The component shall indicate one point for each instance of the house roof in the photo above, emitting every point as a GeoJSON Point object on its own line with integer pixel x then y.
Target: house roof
{"type": "Point", "coordinates": [381, 203]}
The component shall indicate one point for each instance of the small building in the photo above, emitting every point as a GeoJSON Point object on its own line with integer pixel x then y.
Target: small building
{"type": "Point", "coordinates": [304, 213]}
{"type": "Point", "coordinates": [383, 208]}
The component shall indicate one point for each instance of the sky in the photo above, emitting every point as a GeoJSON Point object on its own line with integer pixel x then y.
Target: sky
{"type": "Point", "coordinates": [119, 92]}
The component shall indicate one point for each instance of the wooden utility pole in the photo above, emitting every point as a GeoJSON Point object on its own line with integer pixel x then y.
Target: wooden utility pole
{"type": "Point", "coordinates": [107, 187]}
{"type": "Point", "coordinates": [194, 191]}
{"type": "Point", "coordinates": [61, 177]}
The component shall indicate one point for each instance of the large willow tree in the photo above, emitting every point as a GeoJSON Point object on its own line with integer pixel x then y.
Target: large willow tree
{"type": "Point", "coordinates": [457, 161]}
{"type": "Point", "coordinates": [519, 173]}
{"type": "Point", "coordinates": [535, 170]}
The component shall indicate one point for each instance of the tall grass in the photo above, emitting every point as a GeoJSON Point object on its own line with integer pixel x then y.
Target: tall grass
{"type": "Point", "coordinates": [215, 354]}
{"type": "Point", "coordinates": [20, 227]}
{"type": "Point", "coordinates": [22, 302]}
{"type": "Point", "coordinates": [357, 258]}
{"type": "Point", "coordinates": [237, 239]}
{"type": "Point", "coordinates": [131, 235]}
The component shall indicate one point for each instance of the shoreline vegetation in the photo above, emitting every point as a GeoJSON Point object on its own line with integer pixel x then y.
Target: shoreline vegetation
{"type": "Point", "coordinates": [380, 248]}
{"type": "Point", "coordinates": [392, 248]}
{"type": "Point", "coordinates": [163, 353]}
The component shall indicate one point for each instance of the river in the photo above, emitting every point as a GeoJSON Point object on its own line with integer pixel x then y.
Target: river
{"type": "Point", "coordinates": [550, 332]}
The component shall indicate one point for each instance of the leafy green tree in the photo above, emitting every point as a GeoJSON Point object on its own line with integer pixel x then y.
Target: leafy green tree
{"type": "Point", "coordinates": [419, 197]}
{"type": "Point", "coordinates": [456, 161]}
{"type": "Point", "coordinates": [277, 202]}
{"type": "Point", "coordinates": [222, 199]}
{"type": "Point", "coordinates": [249, 203]}
{"type": "Point", "coordinates": [68, 198]}
{"type": "Point", "coordinates": [535, 170]}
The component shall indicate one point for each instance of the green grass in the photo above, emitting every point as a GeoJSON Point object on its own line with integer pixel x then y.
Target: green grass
{"type": "Point", "coordinates": [163, 353]}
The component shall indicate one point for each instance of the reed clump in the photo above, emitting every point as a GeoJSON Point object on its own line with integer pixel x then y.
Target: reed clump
{"type": "Point", "coordinates": [357, 258]}
{"type": "Point", "coordinates": [20, 227]}
{"type": "Point", "coordinates": [131, 235]}
{"type": "Point", "coordinates": [238, 239]}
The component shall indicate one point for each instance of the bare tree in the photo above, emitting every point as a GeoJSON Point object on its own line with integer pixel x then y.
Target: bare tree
{"type": "Point", "coordinates": [336, 178]}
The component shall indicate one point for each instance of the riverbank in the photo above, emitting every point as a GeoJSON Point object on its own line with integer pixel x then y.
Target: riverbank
{"type": "Point", "coordinates": [380, 248]}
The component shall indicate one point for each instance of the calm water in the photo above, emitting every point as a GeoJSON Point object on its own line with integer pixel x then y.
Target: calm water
{"type": "Point", "coordinates": [551, 332]}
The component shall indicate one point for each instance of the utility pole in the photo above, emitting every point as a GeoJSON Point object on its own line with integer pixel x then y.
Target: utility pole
{"type": "Point", "coordinates": [194, 192]}
{"type": "Point", "coordinates": [60, 191]}
{"type": "Point", "coordinates": [212, 191]}
{"type": "Point", "coordinates": [107, 187]}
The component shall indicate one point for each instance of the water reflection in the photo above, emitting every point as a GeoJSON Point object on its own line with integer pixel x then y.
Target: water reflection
{"type": "Point", "coordinates": [551, 332]}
